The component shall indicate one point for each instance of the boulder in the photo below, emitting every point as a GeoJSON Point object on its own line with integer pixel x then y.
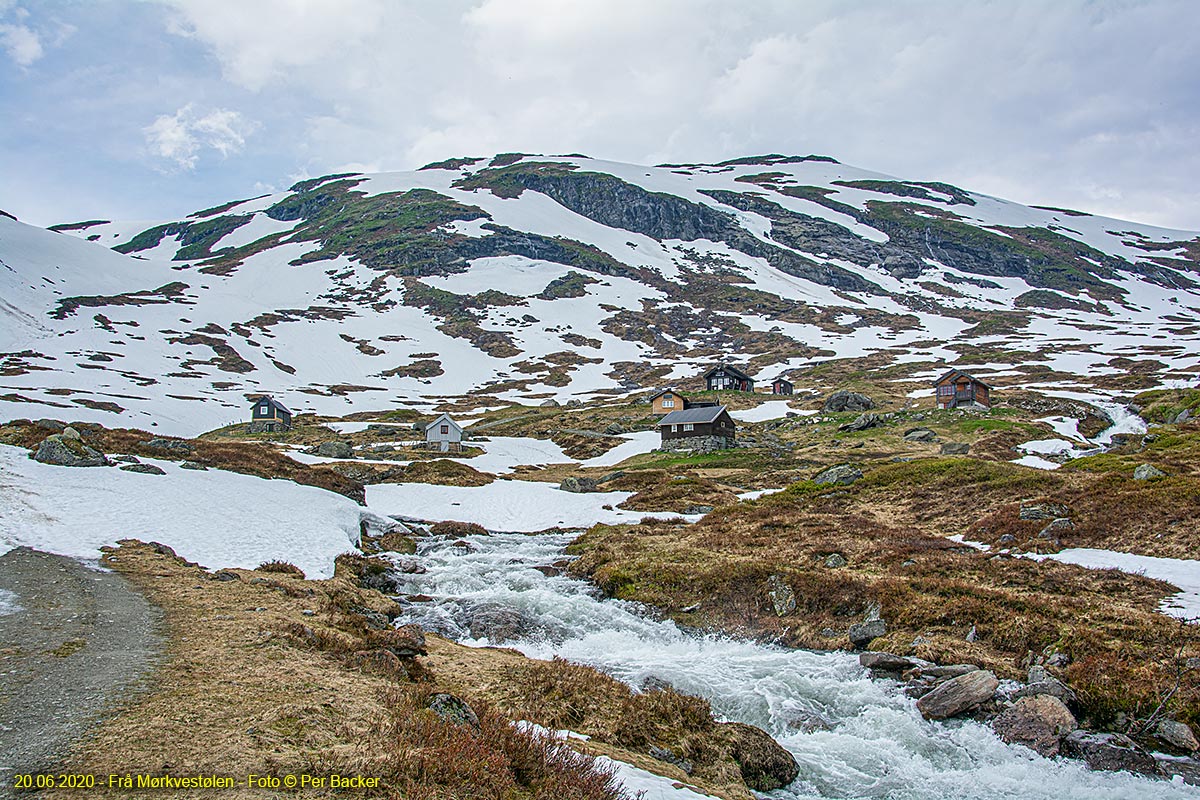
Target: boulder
{"type": "Point", "coordinates": [1046, 511]}
{"type": "Point", "coordinates": [783, 599]}
{"type": "Point", "coordinates": [70, 433]}
{"type": "Point", "coordinates": [885, 662]}
{"type": "Point", "coordinates": [1039, 723]}
{"type": "Point", "coordinates": [551, 403]}
{"type": "Point", "coordinates": [453, 710]}
{"type": "Point", "coordinates": [863, 633]}
{"type": "Point", "coordinates": [407, 641]}
{"type": "Point", "coordinates": [843, 400]}
{"type": "Point", "coordinates": [667, 756]}
{"type": "Point", "coordinates": [335, 450]}
{"type": "Point", "coordinates": [862, 422]}
{"type": "Point", "coordinates": [577, 485]}
{"type": "Point", "coordinates": [958, 695]}
{"type": "Point", "coordinates": [955, 449]}
{"type": "Point", "coordinates": [1176, 735]}
{"type": "Point", "coordinates": [191, 465]}
{"type": "Point", "coordinates": [498, 623]}
{"type": "Point", "coordinates": [63, 451]}
{"type": "Point", "coordinates": [1114, 752]}
{"type": "Point", "coordinates": [919, 435]}
{"type": "Point", "coordinates": [764, 764]}
{"type": "Point", "coordinates": [170, 446]}
{"type": "Point", "coordinates": [1183, 416]}
{"type": "Point", "coordinates": [947, 671]}
{"type": "Point", "coordinates": [1052, 687]}
{"type": "Point", "coordinates": [1148, 472]}
{"type": "Point", "coordinates": [147, 469]}
{"type": "Point", "coordinates": [841, 474]}
{"type": "Point", "coordinates": [615, 429]}
{"type": "Point", "coordinates": [835, 561]}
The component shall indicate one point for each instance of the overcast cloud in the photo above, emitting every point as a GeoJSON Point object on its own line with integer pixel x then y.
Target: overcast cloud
{"type": "Point", "coordinates": [156, 109]}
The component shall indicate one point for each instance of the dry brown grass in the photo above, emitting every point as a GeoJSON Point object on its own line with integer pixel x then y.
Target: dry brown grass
{"type": "Point", "coordinates": [445, 472]}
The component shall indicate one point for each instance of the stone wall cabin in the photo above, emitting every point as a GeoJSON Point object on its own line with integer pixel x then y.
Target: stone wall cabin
{"type": "Point", "coordinates": [702, 428]}
{"type": "Point", "coordinates": [268, 415]}
{"type": "Point", "coordinates": [957, 389]}
{"type": "Point", "coordinates": [666, 401]}
{"type": "Point", "coordinates": [444, 434]}
{"type": "Point", "coordinates": [726, 377]}
{"type": "Point", "coordinates": [782, 386]}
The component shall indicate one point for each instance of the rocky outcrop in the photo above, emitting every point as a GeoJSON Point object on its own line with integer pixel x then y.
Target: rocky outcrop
{"type": "Point", "coordinates": [1038, 722]}
{"type": "Point", "coordinates": [335, 450]}
{"type": "Point", "coordinates": [578, 485]}
{"type": "Point", "coordinates": [783, 599]}
{"type": "Point", "coordinates": [885, 662]}
{"type": "Point", "coordinates": [1176, 735]}
{"type": "Point", "coordinates": [958, 695]}
{"type": "Point", "coordinates": [843, 400]}
{"type": "Point", "coordinates": [452, 709]}
{"type": "Point", "coordinates": [955, 449]}
{"type": "Point", "coordinates": [862, 422]}
{"type": "Point", "coordinates": [764, 764]}
{"type": "Point", "coordinates": [843, 474]}
{"type": "Point", "coordinates": [1109, 751]}
{"type": "Point", "coordinates": [146, 469]}
{"type": "Point", "coordinates": [1046, 511]}
{"type": "Point", "coordinates": [1148, 472]}
{"type": "Point", "coordinates": [65, 450]}
{"type": "Point", "coordinates": [862, 634]}
{"type": "Point", "coordinates": [919, 435]}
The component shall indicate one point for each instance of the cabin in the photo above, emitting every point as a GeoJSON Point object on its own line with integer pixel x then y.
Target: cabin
{"type": "Point", "coordinates": [957, 389]}
{"type": "Point", "coordinates": [700, 428]}
{"type": "Point", "coordinates": [667, 400]}
{"type": "Point", "coordinates": [444, 434]}
{"type": "Point", "coordinates": [724, 376]}
{"type": "Point", "coordinates": [268, 415]}
{"type": "Point", "coordinates": [782, 385]}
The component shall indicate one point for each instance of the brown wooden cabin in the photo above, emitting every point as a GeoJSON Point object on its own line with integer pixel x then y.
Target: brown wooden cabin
{"type": "Point", "coordinates": [668, 400]}
{"type": "Point", "coordinates": [957, 389]}
{"type": "Point", "coordinates": [697, 423]}
{"type": "Point", "coordinates": [726, 377]}
{"type": "Point", "coordinates": [269, 415]}
{"type": "Point", "coordinates": [782, 386]}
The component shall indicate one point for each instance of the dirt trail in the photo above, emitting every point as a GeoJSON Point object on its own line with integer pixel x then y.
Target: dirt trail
{"type": "Point", "coordinates": [78, 643]}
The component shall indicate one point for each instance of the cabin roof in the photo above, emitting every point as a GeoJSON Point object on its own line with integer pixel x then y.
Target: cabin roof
{"type": "Point", "coordinates": [694, 414]}
{"type": "Point", "coordinates": [273, 403]}
{"type": "Point", "coordinates": [954, 373]}
{"type": "Point", "coordinates": [661, 392]}
{"type": "Point", "coordinates": [438, 419]}
{"type": "Point", "coordinates": [781, 379]}
{"type": "Point", "coordinates": [734, 371]}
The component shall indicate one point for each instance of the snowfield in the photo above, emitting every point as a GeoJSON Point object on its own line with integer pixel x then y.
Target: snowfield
{"type": "Point", "coordinates": [216, 518]}
{"type": "Point", "coordinates": [1183, 573]}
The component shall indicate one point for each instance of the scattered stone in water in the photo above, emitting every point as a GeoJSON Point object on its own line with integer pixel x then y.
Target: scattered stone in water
{"type": "Point", "coordinates": [1109, 751]}
{"type": "Point", "coordinates": [1039, 722]}
{"type": "Point", "coordinates": [958, 695]}
{"type": "Point", "coordinates": [1176, 735]}
{"type": "Point", "coordinates": [885, 662]}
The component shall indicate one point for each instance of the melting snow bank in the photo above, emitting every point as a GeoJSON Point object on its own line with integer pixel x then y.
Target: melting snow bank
{"type": "Point", "coordinates": [217, 518]}
{"type": "Point", "coordinates": [505, 505]}
{"type": "Point", "coordinates": [1124, 421]}
{"type": "Point", "coordinates": [1183, 573]}
{"type": "Point", "coordinates": [877, 744]}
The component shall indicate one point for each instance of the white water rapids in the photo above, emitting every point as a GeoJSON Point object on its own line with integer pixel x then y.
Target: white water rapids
{"type": "Point", "coordinates": [879, 746]}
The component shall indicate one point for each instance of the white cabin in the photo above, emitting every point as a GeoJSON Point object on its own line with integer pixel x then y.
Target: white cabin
{"type": "Point", "coordinates": [443, 434]}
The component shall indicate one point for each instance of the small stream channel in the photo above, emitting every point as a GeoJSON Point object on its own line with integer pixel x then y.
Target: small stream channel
{"type": "Point", "coordinates": [878, 746]}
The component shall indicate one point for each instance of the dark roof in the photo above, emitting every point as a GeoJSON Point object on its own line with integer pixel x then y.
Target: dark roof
{"type": "Point", "coordinates": [661, 392]}
{"type": "Point", "coordinates": [781, 378]}
{"type": "Point", "coordinates": [734, 371]}
{"type": "Point", "coordinates": [694, 414]}
{"type": "Point", "coordinates": [955, 373]}
{"type": "Point", "coordinates": [273, 402]}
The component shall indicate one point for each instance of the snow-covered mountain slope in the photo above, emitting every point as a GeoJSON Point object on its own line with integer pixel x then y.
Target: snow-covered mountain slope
{"type": "Point", "coordinates": [525, 277]}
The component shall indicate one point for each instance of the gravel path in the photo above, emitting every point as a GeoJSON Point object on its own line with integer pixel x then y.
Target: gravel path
{"type": "Point", "coordinates": [78, 642]}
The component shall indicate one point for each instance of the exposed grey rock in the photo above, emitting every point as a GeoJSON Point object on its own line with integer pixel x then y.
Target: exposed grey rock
{"type": "Point", "coordinates": [697, 509]}
{"type": "Point", "coordinates": [885, 662]}
{"type": "Point", "coordinates": [578, 485]}
{"type": "Point", "coordinates": [783, 599]}
{"type": "Point", "coordinates": [919, 435]}
{"type": "Point", "coordinates": [67, 452]}
{"type": "Point", "coordinates": [764, 764]}
{"type": "Point", "coordinates": [335, 450]}
{"type": "Point", "coordinates": [806, 721]}
{"type": "Point", "coordinates": [666, 756]}
{"type": "Point", "coordinates": [862, 422]}
{"type": "Point", "coordinates": [615, 429]}
{"type": "Point", "coordinates": [1056, 528]}
{"type": "Point", "coordinates": [551, 403]}
{"type": "Point", "coordinates": [1182, 416]}
{"type": "Point", "coordinates": [955, 448]}
{"type": "Point", "coordinates": [127, 459]}
{"type": "Point", "coordinates": [1147, 472]}
{"type": "Point", "coordinates": [170, 445]}
{"type": "Point", "coordinates": [958, 695]}
{"type": "Point", "coordinates": [70, 433]}
{"type": "Point", "coordinates": [863, 633]}
{"type": "Point", "coordinates": [843, 400]}
{"type": "Point", "coordinates": [1052, 687]}
{"type": "Point", "coordinates": [841, 474]}
{"type": "Point", "coordinates": [1176, 735]}
{"type": "Point", "coordinates": [835, 561]}
{"type": "Point", "coordinates": [1114, 752]}
{"type": "Point", "coordinates": [574, 403]}
{"type": "Point", "coordinates": [1039, 722]}
{"type": "Point", "coordinates": [453, 710]}
{"type": "Point", "coordinates": [191, 465]}
{"type": "Point", "coordinates": [1047, 511]}
{"type": "Point", "coordinates": [1006, 538]}
{"type": "Point", "coordinates": [148, 469]}
{"type": "Point", "coordinates": [948, 671]}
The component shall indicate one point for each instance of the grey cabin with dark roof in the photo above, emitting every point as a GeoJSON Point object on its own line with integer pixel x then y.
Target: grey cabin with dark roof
{"type": "Point", "coordinates": [268, 415]}
{"type": "Point", "coordinates": [700, 428]}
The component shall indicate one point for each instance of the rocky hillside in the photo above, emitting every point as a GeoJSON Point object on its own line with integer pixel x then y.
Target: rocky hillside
{"type": "Point", "coordinates": [521, 277]}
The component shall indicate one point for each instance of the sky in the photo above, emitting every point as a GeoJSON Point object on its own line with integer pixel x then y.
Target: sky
{"type": "Point", "coordinates": [153, 109]}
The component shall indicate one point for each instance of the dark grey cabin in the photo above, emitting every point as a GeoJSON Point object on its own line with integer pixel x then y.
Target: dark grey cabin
{"type": "Point", "coordinates": [724, 376]}
{"type": "Point", "coordinates": [698, 428]}
{"type": "Point", "coordinates": [268, 415]}
{"type": "Point", "coordinates": [782, 386]}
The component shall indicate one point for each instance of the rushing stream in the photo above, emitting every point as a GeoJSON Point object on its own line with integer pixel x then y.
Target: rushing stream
{"type": "Point", "coordinates": [878, 745]}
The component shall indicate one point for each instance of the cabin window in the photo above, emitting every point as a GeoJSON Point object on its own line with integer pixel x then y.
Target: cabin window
{"type": "Point", "coordinates": [263, 408]}
{"type": "Point", "coordinates": [668, 403]}
{"type": "Point", "coordinates": [946, 388]}
{"type": "Point", "coordinates": [689, 426]}
{"type": "Point", "coordinates": [445, 429]}
{"type": "Point", "coordinates": [674, 429]}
